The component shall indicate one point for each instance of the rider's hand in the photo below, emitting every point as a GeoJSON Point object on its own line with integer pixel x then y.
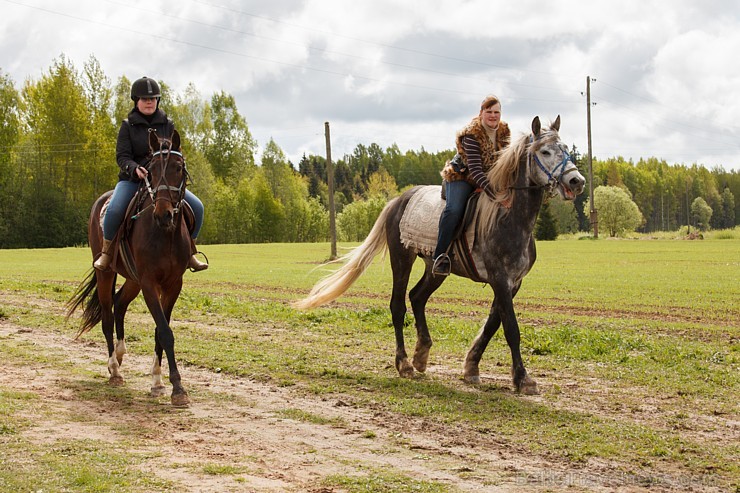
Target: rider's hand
{"type": "Point", "coordinates": [141, 172]}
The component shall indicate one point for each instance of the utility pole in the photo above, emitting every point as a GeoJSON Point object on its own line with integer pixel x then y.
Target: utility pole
{"type": "Point", "coordinates": [330, 182]}
{"type": "Point", "coordinates": [594, 218]}
{"type": "Point", "coordinates": [688, 211]}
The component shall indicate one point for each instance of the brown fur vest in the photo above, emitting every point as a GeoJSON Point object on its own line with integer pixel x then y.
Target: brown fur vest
{"type": "Point", "coordinates": [489, 150]}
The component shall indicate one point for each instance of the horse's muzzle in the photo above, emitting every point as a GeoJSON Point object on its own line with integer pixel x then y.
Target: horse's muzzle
{"type": "Point", "coordinates": [571, 184]}
{"type": "Point", "coordinates": [165, 220]}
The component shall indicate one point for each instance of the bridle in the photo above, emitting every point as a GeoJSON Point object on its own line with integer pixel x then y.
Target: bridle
{"type": "Point", "coordinates": [166, 152]}
{"type": "Point", "coordinates": [553, 177]}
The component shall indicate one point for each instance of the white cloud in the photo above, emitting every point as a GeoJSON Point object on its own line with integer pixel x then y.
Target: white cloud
{"type": "Point", "coordinates": [414, 71]}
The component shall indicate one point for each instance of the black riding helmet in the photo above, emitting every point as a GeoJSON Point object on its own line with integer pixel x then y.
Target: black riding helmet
{"type": "Point", "coordinates": [145, 88]}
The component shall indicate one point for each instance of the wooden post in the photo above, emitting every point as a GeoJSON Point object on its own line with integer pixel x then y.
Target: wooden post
{"type": "Point", "coordinates": [330, 182]}
{"type": "Point", "coordinates": [593, 215]}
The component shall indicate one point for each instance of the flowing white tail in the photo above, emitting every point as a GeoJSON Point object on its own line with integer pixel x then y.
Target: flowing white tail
{"type": "Point", "coordinates": [334, 285]}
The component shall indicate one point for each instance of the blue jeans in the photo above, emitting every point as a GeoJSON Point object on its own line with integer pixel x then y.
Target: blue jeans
{"type": "Point", "coordinates": [122, 195]}
{"type": "Point", "coordinates": [456, 193]}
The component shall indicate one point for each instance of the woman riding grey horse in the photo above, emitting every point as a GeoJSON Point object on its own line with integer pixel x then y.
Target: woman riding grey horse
{"type": "Point", "coordinates": [478, 144]}
{"type": "Point", "coordinates": [533, 166]}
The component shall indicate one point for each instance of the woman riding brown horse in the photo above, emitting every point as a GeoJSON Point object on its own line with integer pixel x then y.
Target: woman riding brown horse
{"type": "Point", "coordinates": [153, 257]}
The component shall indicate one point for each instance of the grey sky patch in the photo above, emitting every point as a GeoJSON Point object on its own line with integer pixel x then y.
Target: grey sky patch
{"type": "Point", "coordinates": [396, 71]}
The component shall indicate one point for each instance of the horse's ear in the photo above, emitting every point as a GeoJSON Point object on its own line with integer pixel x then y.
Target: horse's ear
{"type": "Point", "coordinates": [153, 141]}
{"type": "Point", "coordinates": [536, 126]}
{"type": "Point", "coordinates": [176, 139]}
{"type": "Point", "coordinates": [556, 124]}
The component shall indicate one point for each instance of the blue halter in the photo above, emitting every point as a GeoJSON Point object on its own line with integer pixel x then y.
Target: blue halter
{"type": "Point", "coordinates": [552, 179]}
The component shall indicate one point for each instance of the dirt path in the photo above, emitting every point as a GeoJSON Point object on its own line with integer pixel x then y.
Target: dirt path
{"type": "Point", "coordinates": [278, 439]}
{"type": "Point", "coordinates": [235, 421]}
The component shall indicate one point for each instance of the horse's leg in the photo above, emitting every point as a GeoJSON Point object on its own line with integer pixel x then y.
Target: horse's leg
{"type": "Point", "coordinates": [475, 353]}
{"type": "Point", "coordinates": [419, 296]}
{"type": "Point", "coordinates": [121, 301]}
{"type": "Point", "coordinates": [401, 263]}
{"type": "Point", "coordinates": [158, 388]}
{"type": "Point", "coordinates": [522, 382]}
{"type": "Point", "coordinates": [165, 336]}
{"type": "Point", "coordinates": [106, 284]}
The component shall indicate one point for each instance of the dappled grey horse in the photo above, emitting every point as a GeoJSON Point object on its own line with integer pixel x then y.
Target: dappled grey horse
{"type": "Point", "coordinates": [532, 166]}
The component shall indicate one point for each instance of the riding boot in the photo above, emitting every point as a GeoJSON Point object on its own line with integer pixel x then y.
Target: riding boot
{"type": "Point", "coordinates": [103, 262]}
{"type": "Point", "coordinates": [194, 264]}
{"type": "Point", "coordinates": [442, 265]}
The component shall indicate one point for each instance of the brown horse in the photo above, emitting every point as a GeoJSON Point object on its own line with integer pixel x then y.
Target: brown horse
{"type": "Point", "coordinates": [525, 171]}
{"type": "Point", "coordinates": [152, 257]}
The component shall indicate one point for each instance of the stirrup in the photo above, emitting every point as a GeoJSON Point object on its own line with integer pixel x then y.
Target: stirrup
{"type": "Point", "coordinates": [442, 265]}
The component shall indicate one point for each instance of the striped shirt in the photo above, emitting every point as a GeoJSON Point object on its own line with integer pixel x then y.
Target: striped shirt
{"type": "Point", "coordinates": [475, 165]}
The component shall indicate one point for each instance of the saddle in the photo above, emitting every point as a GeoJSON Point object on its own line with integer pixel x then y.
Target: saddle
{"type": "Point", "coordinates": [420, 224]}
{"type": "Point", "coordinates": [121, 243]}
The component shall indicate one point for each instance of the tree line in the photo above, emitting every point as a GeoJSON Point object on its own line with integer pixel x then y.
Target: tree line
{"type": "Point", "coordinates": [57, 155]}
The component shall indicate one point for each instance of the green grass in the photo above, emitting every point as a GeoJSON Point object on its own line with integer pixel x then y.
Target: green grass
{"type": "Point", "coordinates": [382, 482]}
{"type": "Point", "coordinates": [65, 464]}
{"type": "Point", "coordinates": [645, 320]}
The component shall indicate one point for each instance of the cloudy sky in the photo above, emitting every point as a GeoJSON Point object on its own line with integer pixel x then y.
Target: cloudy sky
{"type": "Point", "coordinates": [411, 72]}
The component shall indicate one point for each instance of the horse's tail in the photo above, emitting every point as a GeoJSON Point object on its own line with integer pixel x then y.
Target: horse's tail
{"type": "Point", "coordinates": [359, 259]}
{"type": "Point", "coordinates": [86, 292]}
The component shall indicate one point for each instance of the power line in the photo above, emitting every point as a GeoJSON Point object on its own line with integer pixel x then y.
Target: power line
{"type": "Point", "coordinates": [311, 68]}
{"type": "Point", "coordinates": [252, 57]}
{"type": "Point", "coordinates": [331, 52]}
{"type": "Point", "coordinates": [382, 45]}
{"type": "Point", "coordinates": [670, 123]}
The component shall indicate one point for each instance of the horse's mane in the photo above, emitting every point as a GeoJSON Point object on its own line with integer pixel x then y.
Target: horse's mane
{"type": "Point", "coordinates": [503, 175]}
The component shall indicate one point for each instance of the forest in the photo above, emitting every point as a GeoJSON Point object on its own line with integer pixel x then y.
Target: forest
{"type": "Point", "coordinates": [57, 155]}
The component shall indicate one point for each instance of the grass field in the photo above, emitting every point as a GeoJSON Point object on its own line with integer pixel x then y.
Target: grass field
{"type": "Point", "coordinates": [635, 345]}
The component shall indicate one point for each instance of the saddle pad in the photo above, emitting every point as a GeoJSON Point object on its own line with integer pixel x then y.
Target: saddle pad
{"type": "Point", "coordinates": [103, 210]}
{"type": "Point", "coordinates": [420, 221]}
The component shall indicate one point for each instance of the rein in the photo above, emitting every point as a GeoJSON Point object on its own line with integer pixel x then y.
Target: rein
{"type": "Point", "coordinates": [166, 153]}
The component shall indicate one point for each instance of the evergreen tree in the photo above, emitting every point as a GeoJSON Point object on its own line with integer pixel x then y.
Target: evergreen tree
{"type": "Point", "coordinates": [727, 211]}
{"type": "Point", "coordinates": [546, 227]}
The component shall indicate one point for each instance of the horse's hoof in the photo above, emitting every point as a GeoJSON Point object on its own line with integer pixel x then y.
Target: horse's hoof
{"type": "Point", "coordinates": [472, 379]}
{"type": "Point", "coordinates": [529, 387]}
{"type": "Point", "coordinates": [421, 357]}
{"type": "Point", "coordinates": [405, 370]}
{"type": "Point", "coordinates": [420, 365]}
{"type": "Point", "coordinates": [180, 400]}
{"type": "Point", "coordinates": [158, 391]}
{"type": "Point", "coordinates": [116, 381]}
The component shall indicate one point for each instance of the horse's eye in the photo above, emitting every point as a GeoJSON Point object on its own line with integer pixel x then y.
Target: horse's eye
{"type": "Point", "coordinates": [546, 152]}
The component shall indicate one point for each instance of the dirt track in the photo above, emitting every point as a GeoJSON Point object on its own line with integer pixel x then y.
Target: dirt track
{"type": "Point", "coordinates": [256, 429]}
